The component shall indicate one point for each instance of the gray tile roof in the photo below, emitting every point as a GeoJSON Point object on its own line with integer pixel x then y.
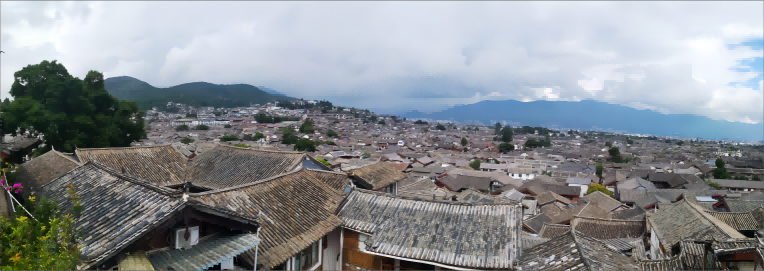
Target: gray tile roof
{"type": "Point", "coordinates": [687, 220]}
{"type": "Point", "coordinates": [207, 253]}
{"type": "Point", "coordinates": [161, 164]}
{"type": "Point", "coordinates": [226, 166]}
{"type": "Point", "coordinates": [452, 233]}
{"type": "Point", "coordinates": [118, 208]}
{"type": "Point", "coordinates": [743, 205]}
{"type": "Point", "coordinates": [574, 251]}
{"type": "Point", "coordinates": [295, 210]}
{"type": "Point", "coordinates": [44, 169]}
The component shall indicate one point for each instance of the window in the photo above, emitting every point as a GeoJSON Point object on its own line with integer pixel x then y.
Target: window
{"type": "Point", "coordinates": [307, 258]}
{"type": "Point", "coordinates": [390, 189]}
{"type": "Point", "coordinates": [362, 241]}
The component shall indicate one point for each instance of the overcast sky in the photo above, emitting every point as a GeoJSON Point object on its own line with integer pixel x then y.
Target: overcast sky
{"type": "Point", "coordinates": [701, 58]}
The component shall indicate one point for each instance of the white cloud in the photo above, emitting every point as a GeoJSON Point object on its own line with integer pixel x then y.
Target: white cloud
{"type": "Point", "coordinates": [397, 56]}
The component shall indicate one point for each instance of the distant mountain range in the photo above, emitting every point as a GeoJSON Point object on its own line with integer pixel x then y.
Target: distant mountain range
{"type": "Point", "coordinates": [195, 94]}
{"type": "Point", "coordinates": [593, 115]}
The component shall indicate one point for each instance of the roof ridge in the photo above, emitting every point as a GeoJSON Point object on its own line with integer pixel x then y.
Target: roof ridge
{"type": "Point", "coordinates": [133, 179]}
{"type": "Point", "coordinates": [65, 157]}
{"type": "Point", "coordinates": [361, 190]}
{"type": "Point", "coordinates": [250, 149]}
{"type": "Point", "coordinates": [121, 148]}
{"type": "Point", "coordinates": [710, 218]}
{"type": "Point", "coordinates": [605, 219]}
{"type": "Point", "coordinates": [215, 191]}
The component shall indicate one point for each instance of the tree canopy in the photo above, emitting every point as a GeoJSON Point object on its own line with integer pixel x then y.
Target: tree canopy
{"type": "Point", "coordinates": [615, 155]}
{"type": "Point", "coordinates": [464, 141]}
{"type": "Point", "coordinates": [506, 134]}
{"type": "Point", "coordinates": [475, 164]}
{"type": "Point", "coordinates": [506, 146]}
{"type": "Point", "coordinates": [70, 112]}
{"type": "Point", "coordinates": [440, 127]}
{"type": "Point", "coordinates": [305, 144]}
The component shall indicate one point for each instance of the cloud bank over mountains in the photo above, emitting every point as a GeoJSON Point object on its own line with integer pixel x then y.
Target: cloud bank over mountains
{"type": "Point", "coordinates": [700, 58]}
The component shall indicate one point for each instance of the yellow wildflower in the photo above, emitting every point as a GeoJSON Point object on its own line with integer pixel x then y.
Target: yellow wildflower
{"type": "Point", "coordinates": [21, 219]}
{"type": "Point", "coordinates": [15, 258]}
{"type": "Point", "coordinates": [32, 198]}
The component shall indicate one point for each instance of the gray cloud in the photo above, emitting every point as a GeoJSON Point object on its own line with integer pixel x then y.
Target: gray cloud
{"type": "Point", "coordinates": [397, 56]}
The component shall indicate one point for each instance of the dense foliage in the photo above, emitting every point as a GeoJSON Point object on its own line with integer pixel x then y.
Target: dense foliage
{"type": "Point", "coordinates": [720, 172]}
{"type": "Point", "coordinates": [307, 127]}
{"type": "Point", "coordinates": [227, 126]}
{"type": "Point", "coordinates": [506, 147]}
{"type": "Point", "coordinates": [598, 187]}
{"type": "Point", "coordinates": [475, 164]}
{"type": "Point", "coordinates": [289, 137]}
{"type": "Point", "coordinates": [440, 127]}
{"type": "Point", "coordinates": [615, 155]}
{"type": "Point", "coordinates": [420, 122]}
{"type": "Point", "coordinates": [506, 134]}
{"type": "Point", "coordinates": [464, 141]}
{"type": "Point", "coordinates": [598, 170]}
{"type": "Point", "coordinates": [46, 241]}
{"type": "Point", "coordinates": [305, 144]}
{"type": "Point", "coordinates": [227, 138]}
{"type": "Point", "coordinates": [331, 133]}
{"type": "Point", "coordinates": [534, 143]}
{"type": "Point", "coordinates": [181, 128]}
{"type": "Point", "coordinates": [70, 112]}
{"type": "Point", "coordinates": [202, 127]}
{"type": "Point", "coordinates": [242, 145]}
{"type": "Point", "coordinates": [187, 140]}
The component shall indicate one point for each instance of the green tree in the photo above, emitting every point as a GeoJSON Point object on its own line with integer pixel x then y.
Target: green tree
{"type": "Point", "coordinates": [420, 122]}
{"type": "Point", "coordinates": [202, 127]}
{"type": "Point", "coordinates": [227, 126]}
{"type": "Point", "coordinates": [506, 146]}
{"type": "Point", "coordinates": [464, 141]}
{"type": "Point", "coordinates": [70, 111]}
{"type": "Point", "coordinates": [289, 137]}
{"type": "Point", "coordinates": [258, 136]}
{"type": "Point", "coordinates": [598, 187]}
{"type": "Point", "coordinates": [615, 155]}
{"type": "Point", "coordinates": [186, 140]}
{"type": "Point", "coordinates": [48, 241]}
{"type": "Point", "coordinates": [331, 133]}
{"type": "Point", "coordinates": [475, 164]}
{"type": "Point", "coordinates": [216, 113]}
{"type": "Point", "coordinates": [440, 127]}
{"type": "Point", "coordinates": [382, 122]}
{"type": "Point", "coordinates": [307, 127]}
{"type": "Point", "coordinates": [720, 172]}
{"type": "Point", "coordinates": [598, 171]}
{"type": "Point", "coordinates": [366, 154]}
{"type": "Point", "coordinates": [608, 144]}
{"type": "Point", "coordinates": [227, 138]}
{"type": "Point", "coordinates": [629, 141]}
{"type": "Point", "coordinates": [497, 128]}
{"type": "Point", "coordinates": [242, 145]}
{"type": "Point", "coordinates": [305, 144]}
{"type": "Point", "coordinates": [506, 134]}
{"type": "Point", "coordinates": [181, 128]}
{"type": "Point", "coordinates": [756, 178]}
{"type": "Point", "coordinates": [190, 115]}
{"type": "Point", "coordinates": [680, 143]}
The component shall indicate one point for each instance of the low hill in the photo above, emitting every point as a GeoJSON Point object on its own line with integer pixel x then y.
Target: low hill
{"type": "Point", "coordinates": [593, 115]}
{"type": "Point", "coordinates": [195, 94]}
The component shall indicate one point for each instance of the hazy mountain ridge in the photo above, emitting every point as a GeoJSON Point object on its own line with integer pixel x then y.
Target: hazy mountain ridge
{"type": "Point", "coordinates": [588, 114]}
{"type": "Point", "coordinates": [195, 94]}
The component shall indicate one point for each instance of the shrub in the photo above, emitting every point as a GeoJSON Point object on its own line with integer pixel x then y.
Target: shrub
{"type": "Point", "coordinates": [331, 133]}
{"type": "Point", "coordinates": [242, 145]}
{"type": "Point", "coordinates": [181, 128]}
{"type": "Point", "coordinates": [506, 146]}
{"type": "Point", "coordinates": [227, 126]}
{"type": "Point", "coordinates": [420, 122]}
{"type": "Point", "coordinates": [202, 127]}
{"type": "Point", "coordinates": [323, 162]}
{"type": "Point", "coordinates": [49, 242]}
